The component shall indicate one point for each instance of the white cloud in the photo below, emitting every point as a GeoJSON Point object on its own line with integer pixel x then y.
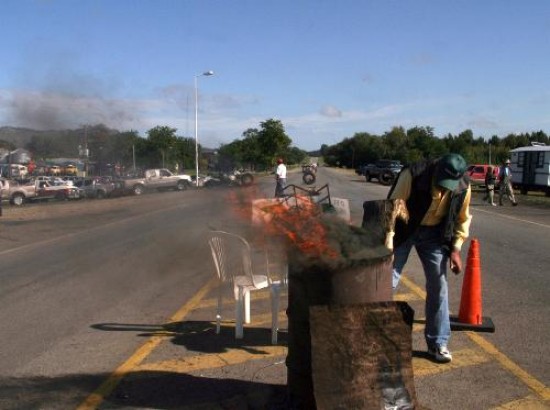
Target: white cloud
{"type": "Point", "coordinates": [330, 111]}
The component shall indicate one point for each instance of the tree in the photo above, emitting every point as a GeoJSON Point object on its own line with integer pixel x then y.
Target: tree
{"type": "Point", "coordinates": [295, 155]}
{"type": "Point", "coordinates": [183, 152]}
{"type": "Point", "coordinates": [396, 144]}
{"type": "Point", "coordinates": [120, 148]}
{"type": "Point", "coordinates": [243, 153]}
{"type": "Point", "coordinates": [162, 138]}
{"type": "Point", "coordinates": [273, 141]}
{"type": "Point", "coordinates": [424, 141]}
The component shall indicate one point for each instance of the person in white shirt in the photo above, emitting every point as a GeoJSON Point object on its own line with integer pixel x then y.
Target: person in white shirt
{"type": "Point", "coordinates": [280, 176]}
{"type": "Point", "coordinates": [505, 182]}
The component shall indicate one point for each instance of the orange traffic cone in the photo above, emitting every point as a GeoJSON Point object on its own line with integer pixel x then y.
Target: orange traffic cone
{"type": "Point", "coordinates": [470, 301]}
{"type": "Point", "coordinates": [470, 313]}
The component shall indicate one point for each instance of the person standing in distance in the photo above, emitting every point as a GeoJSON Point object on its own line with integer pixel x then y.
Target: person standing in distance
{"type": "Point", "coordinates": [437, 195]}
{"type": "Point", "coordinates": [280, 177]}
{"type": "Point", "coordinates": [505, 184]}
{"type": "Point", "coordinates": [490, 180]}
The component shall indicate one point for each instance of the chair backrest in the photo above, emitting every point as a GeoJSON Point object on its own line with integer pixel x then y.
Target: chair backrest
{"type": "Point", "coordinates": [231, 254]}
{"type": "Point", "coordinates": [276, 262]}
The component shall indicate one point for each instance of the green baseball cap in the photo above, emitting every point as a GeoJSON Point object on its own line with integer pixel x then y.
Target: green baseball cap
{"type": "Point", "coordinates": [450, 169]}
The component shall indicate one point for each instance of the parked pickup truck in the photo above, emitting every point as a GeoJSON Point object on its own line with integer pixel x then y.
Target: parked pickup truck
{"type": "Point", "coordinates": [384, 170]}
{"type": "Point", "coordinates": [36, 190]}
{"type": "Point", "coordinates": [159, 179]}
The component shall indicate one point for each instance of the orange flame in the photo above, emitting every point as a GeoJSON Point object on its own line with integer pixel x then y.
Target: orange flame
{"type": "Point", "coordinates": [297, 218]}
{"type": "Point", "coordinates": [301, 224]}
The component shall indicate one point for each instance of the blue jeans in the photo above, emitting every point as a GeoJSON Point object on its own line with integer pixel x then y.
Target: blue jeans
{"type": "Point", "coordinates": [434, 258]}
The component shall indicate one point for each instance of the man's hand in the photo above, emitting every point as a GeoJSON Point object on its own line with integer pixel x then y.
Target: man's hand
{"type": "Point", "coordinates": [455, 262]}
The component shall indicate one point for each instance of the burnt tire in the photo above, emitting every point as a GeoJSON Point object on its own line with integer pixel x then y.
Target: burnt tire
{"type": "Point", "coordinates": [308, 178]}
{"type": "Point", "coordinates": [17, 199]}
{"type": "Point", "coordinates": [247, 179]}
{"type": "Point", "coordinates": [138, 189]}
{"type": "Point", "coordinates": [387, 178]}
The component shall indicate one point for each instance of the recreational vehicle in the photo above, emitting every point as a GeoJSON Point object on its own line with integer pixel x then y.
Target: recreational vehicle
{"type": "Point", "coordinates": [531, 168]}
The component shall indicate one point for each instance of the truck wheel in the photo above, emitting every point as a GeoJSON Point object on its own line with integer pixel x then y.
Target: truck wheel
{"type": "Point", "coordinates": [61, 196]}
{"type": "Point", "coordinates": [247, 179]}
{"type": "Point", "coordinates": [368, 178]}
{"type": "Point", "coordinates": [138, 189]}
{"type": "Point", "coordinates": [386, 178]}
{"type": "Point", "coordinates": [100, 194]}
{"type": "Point", "coordinates": [308, 178]}
{"type": "Point", "coordinates": [17, 199]}
{"type": "Point", "coordinates": [182, 185]}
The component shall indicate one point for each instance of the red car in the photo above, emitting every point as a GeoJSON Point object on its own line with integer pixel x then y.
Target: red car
{"type": "Point", "coordinates": [477, 173]}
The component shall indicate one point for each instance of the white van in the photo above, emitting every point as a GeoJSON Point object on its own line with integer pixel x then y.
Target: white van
{"type": "Point", "coordinates": [531, 168]}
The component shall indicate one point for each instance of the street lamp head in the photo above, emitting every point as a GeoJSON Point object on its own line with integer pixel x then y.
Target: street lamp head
{"type": "Point", "coordinates": [208, 73]}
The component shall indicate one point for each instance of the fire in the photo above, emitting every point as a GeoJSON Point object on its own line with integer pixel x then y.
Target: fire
{"type": "Point", "coordinates": [310, 230]}
{"type": "Point", "coordinates": [298, 219]}
{"type": "Point", "coordinates": [300, 222]}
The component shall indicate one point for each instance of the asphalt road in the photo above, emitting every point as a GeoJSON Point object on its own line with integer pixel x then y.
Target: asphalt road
{"type": "Point", "coordinates": [129, 260]}
{"type": "Point", "coordinates": [68, 271]}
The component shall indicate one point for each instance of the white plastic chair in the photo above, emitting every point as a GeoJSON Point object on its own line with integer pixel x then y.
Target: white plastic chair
{"type": "Point", "coordinates": [277, 283]}
{"type": "Point", "coordinates": [232, 257]}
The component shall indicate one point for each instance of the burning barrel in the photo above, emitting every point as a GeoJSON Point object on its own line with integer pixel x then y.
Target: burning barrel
{"type": "Point", "coordinates": [340, 316]}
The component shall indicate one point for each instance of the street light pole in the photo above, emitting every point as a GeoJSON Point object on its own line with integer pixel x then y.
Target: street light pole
{"type": "Point", "coordinates": [206, 73]}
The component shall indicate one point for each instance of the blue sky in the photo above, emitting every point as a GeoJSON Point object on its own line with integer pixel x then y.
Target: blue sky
{"type": "Point", "coordinates": [326, 69]}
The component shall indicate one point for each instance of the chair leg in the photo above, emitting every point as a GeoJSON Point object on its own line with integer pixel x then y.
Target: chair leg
{"type": "Point", "coordinates": [219, 311]}
{"type": "Point", "coordinates": [275, 292]}
{"type": "Point", "coordinates": [239, 307]}
{"type": "Point", "coordinates": [247, 306]}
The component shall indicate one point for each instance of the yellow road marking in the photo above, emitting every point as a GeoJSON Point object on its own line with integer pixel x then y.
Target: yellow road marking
{"type": "Point", "coordinates": [107, 387]}
{"type": "Point", "coordinates": [525, 403]}
{"type": "Point", "coordinates": [405, 297]}
{"type": "Point", "coordinates": [421, 293]}
{"type": "Point", "coordinates": [535, 385]}
{"type": "Point", "coordinates": [461, 358]}
{"type": "Point", "coordinates": [210, 361]}
{"type": "Point", "coordinates": [530, 381]}
{"type": "Point", "coordinates": [266, 318]}
{"type": "Point", "coordinates": [417, 327]}
{"type": "Point", "coordinates": [257, 320]}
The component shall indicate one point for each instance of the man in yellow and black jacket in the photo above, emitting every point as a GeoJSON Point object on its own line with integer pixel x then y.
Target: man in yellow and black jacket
{"type": "Point", "coordinates": [437, 194]}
